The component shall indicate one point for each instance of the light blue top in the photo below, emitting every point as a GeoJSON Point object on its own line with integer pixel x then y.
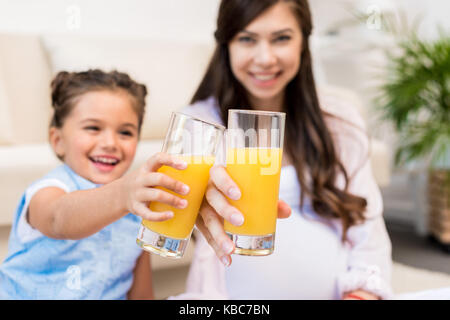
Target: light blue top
{"type": "Point", "coordinates": [97, 267]}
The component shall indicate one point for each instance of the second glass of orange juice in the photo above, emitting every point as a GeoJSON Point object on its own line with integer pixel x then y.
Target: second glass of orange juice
{"type": "Point", "coordinates": [253, 161]}
{"type": "Point", "coordinates": [196, 142]}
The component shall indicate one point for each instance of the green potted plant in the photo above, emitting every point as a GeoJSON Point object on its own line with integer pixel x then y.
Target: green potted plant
{"type": "Point", "coordinates": [415, 97]}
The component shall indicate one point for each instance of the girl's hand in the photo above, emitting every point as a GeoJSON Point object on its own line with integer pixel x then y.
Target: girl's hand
{"type": "Point", "coordinates": [139, 188]}
{"type": "Point", "coordinates": [215, 208]}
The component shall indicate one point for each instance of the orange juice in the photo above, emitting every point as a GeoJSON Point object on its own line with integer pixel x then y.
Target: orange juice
{"type": "Point", "coordinates": [256, 171]}
{"type": "Point", "coordinates": [196, 176]}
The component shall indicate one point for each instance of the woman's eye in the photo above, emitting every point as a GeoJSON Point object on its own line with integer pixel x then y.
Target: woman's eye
{"type": "Point", "coordinates": [246, 39]}
{"type": "Point", "coordinates": [283, 38]}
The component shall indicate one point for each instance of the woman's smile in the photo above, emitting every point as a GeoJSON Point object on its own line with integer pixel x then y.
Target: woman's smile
{"type": "Point", "coordinates": [265, 80]}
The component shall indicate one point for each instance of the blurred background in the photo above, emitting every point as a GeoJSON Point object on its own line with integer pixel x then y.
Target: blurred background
{"type": "Point", "coordinates": [167, 44]}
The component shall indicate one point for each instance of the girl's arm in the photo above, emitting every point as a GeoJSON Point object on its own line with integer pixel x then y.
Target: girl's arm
{"type": "Point", "coordinates": [142, 288]}
{"type": "Point", "coordinates": [79, 214]}
{"type": "Point", "coordinates": [75, 215]}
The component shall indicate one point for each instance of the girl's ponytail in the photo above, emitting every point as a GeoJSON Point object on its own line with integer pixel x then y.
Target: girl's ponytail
{"type": "Point", "coordinates": [59, 94]}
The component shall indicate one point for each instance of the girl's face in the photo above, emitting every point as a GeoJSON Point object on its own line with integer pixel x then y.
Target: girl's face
{"type": "Point", "coordinates": [99, 137]}
{"type": "Point", "coordinates": [265, 56]}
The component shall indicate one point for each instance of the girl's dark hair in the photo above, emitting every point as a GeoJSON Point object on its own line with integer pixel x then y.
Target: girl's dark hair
{"type": "Point", "coordinates": [308, 141]}
{"type": "Point", "coordinates": [67, 87]}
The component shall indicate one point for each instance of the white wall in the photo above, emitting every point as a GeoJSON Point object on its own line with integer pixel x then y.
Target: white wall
{"type": "Point", "coordinates": [433, 12]}
{"type": "Point", "coordinates": [168, 19]}
{"type": "Point", "coordinates": [181, 19]}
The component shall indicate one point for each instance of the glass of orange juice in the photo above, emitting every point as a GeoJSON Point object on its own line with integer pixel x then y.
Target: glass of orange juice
{"type": "Point", "coordinates": [196, 142]}
{"type": "Point", "coordinates": [253, 160]}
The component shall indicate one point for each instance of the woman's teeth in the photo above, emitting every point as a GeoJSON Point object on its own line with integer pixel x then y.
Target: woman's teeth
{"type": "Point", "coordinates": [264, 77]}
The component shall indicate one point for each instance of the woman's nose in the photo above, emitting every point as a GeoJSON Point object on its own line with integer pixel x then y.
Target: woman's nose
{"type": "Point", "coordinates": [265, 55]}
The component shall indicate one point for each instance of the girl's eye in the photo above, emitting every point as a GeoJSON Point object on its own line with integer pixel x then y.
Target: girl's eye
{"type": "Point", "coordinates": [246, 39]}
{"type": "Point", "coordinates": [126, 133]}
{"type": "Point", "coordinates": [282, 38]}
{"type": "Point", "coordinates": [92, 128]}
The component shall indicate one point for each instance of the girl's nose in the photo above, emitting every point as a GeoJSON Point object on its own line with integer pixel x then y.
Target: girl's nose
{"type": "Point", "coordinates": [265, 55]}
{"type": "Point", "coordinates": [109, 140]}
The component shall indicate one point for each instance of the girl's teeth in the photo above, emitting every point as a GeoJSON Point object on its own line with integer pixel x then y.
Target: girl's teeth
{"type": "Point", "coordinates": [105, 160]}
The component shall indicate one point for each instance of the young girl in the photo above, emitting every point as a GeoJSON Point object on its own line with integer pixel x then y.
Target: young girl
{"type": "Point", "coordinates": [73, 236]}
{"type": "Point", "coordinates": [335, 244]}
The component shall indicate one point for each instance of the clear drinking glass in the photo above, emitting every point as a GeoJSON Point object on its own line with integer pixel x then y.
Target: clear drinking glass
{"type": "Point", "coordinates": [196, 142]}
{"type": "Point", "coordinates": [253, 160]}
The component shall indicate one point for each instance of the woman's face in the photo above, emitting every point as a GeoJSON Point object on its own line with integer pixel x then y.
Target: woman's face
{"type": "Point", "coordinates": [265, 56]}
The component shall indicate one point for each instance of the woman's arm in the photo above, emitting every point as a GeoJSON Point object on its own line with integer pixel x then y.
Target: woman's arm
{"type": "Point", "coordinates": [142, 288]}
{"type": "Point", "coordinates": [369, 261]}
{"type": "Point", "coordinates": [79, 214]}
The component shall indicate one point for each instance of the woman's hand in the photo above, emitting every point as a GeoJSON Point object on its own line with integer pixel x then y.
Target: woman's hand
{"type": "Point", "coordinates": [139, 188]}
{"type": "Point", "coordinates": [215, 208]}
{"type": "Point", "coordinates": [360, 295]}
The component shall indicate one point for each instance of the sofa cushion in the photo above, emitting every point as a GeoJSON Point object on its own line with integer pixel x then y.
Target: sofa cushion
{"type": "Point", "coordinates": [25, 77]}
{"type": "Point", "coordinates": [5, 117]}
{"type": "Point", "coordinates": [23, 164]}
{"type": "Point", "coordinates": [171, 70]}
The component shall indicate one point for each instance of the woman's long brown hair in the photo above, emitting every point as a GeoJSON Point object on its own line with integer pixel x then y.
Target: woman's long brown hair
{"type": "Point", "coordinates": [308, 141]}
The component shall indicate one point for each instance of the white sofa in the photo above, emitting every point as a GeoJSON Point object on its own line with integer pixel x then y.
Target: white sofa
{"type": "Point", "coordinates": [170, 70]}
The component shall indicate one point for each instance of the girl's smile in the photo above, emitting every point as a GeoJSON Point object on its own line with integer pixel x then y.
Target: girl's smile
{"type": "Point", "coordinates": [105, 163]}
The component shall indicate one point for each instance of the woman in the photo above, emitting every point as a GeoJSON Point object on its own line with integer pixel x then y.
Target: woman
{"type": "Point", "coordinates": [335, 244]}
